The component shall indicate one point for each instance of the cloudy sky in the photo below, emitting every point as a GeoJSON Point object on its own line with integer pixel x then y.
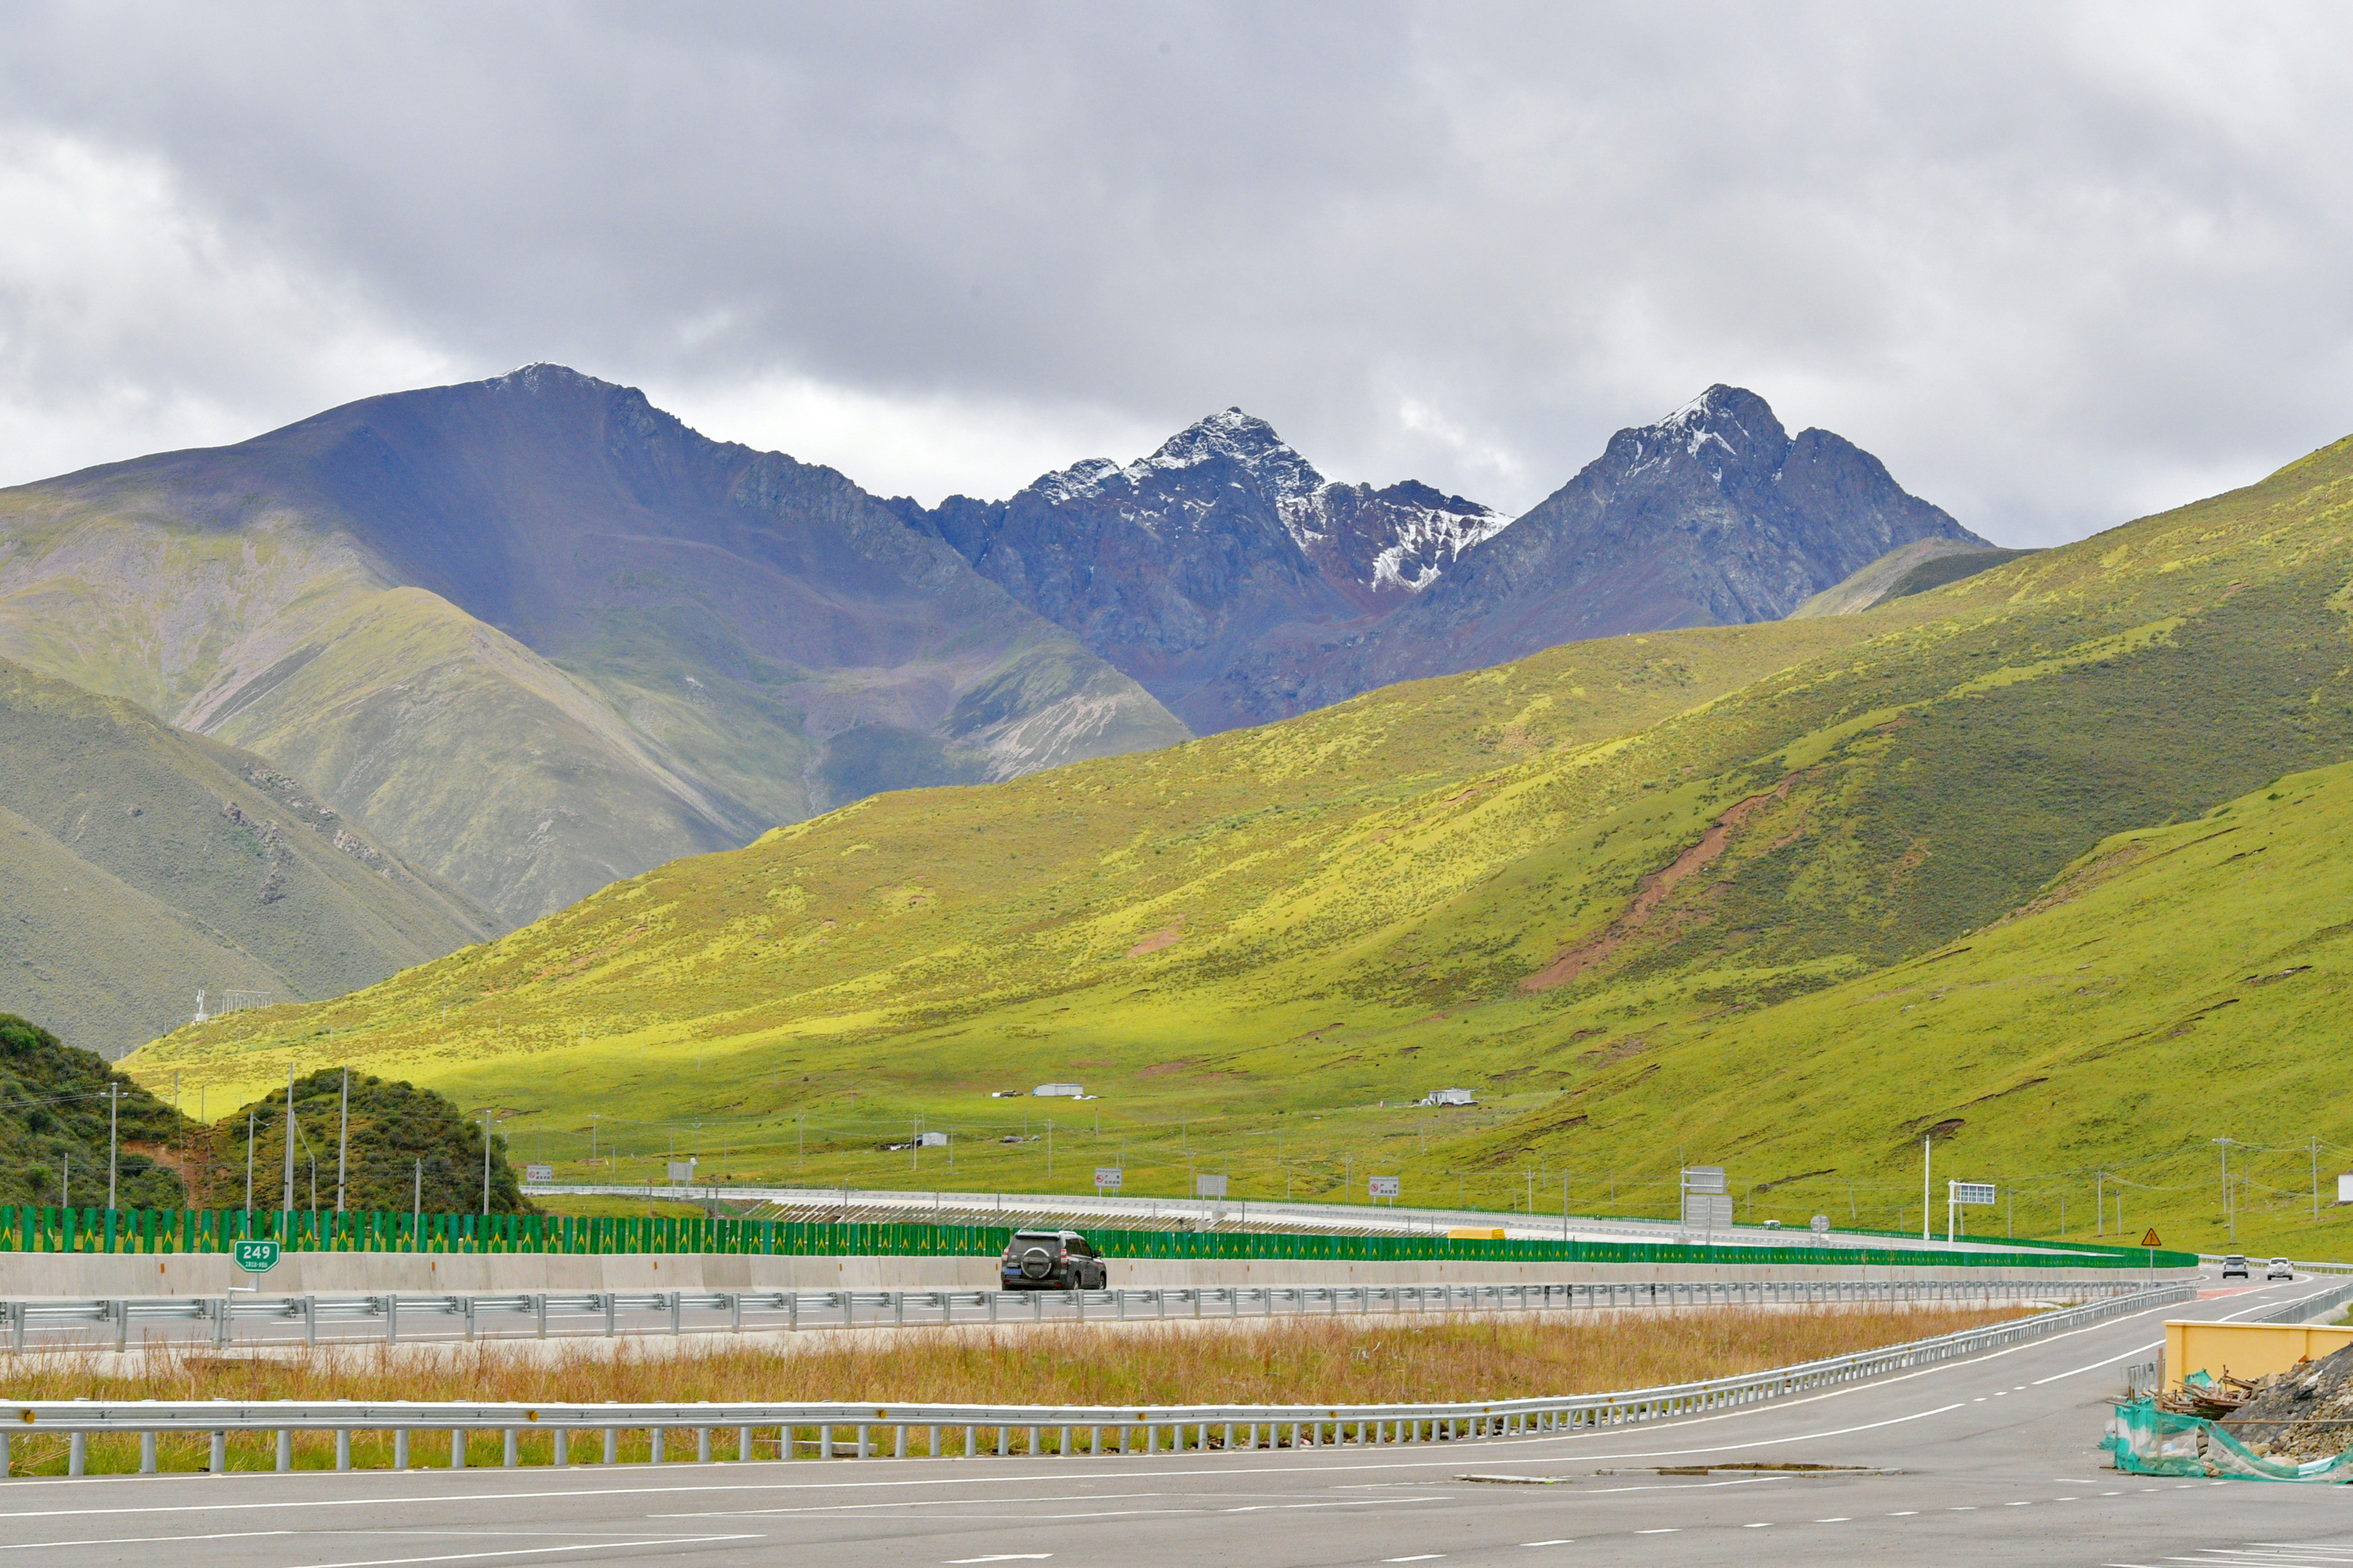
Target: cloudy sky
{"type": "Point", "coordinates": [2057, 265]}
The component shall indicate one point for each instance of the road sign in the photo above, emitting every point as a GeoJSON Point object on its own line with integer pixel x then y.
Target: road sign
{"type": "Point", "coordinates": [1822, 1223]}
{"type": "Point", "coordinates": [1973, 1193]}
{"type": "Point", "coordinates": [1209, 1186]}
{"type": "Point", "coordinates": [1382, 1186]}
{"type": "Point", "coordinates": [256, 1257]}
{"type": "Point", "coordinates": [681, 1171]}
{"type": "Point", "coordinates": [539, 1172]}
{"type": "Point", "coordinates": [1108, 1178]}
{"type": "Point", "coordinates": [2150, 1239]}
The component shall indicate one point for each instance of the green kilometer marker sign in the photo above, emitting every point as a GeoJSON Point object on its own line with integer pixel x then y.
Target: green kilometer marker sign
{"type": "Point", "coordinates": [256, 1256]}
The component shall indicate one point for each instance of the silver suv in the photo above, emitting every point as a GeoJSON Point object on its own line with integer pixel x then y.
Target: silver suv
{"type": "Point", "coordinates": [1051, 1260]}
{"type": "Point", "coordinates": [2279, 1268]}
{"type": "Point", "coordinates": [2234, 1265]}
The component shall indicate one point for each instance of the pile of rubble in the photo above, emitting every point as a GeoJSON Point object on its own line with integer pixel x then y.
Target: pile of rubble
{"type": "Point", "coordinates": [2305, 1413]}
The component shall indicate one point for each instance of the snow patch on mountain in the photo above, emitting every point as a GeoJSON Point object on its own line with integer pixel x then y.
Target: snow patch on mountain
{"type": "Point", "coordinates": [1428, 539]}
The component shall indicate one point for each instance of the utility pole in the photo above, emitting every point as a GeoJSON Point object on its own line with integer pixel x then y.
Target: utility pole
{"type": "Point", "coordinates": [2100, 1202]}
{"type": "Point", "coordinates": [1926, 1230]}
{"type": "Point", "coordinates": [344, 1140]}
{"type": "Point", "coordinates": [2230, 1211]}
{"type": "Point", "coordinates": [248, 1162]}
{"type": "Point", "coordinates": [416, 1204]}
{"type": "Point", "coordinates": [114, 1127]}
{"type": "Point", "coordinates": [486, 1161]}
{"type": "Point", "coordinates": [287, 1206]}
{"type": "Point", "coordinates": [2315, 1178]}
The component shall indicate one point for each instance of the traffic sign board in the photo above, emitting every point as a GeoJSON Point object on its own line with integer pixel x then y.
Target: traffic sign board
{"type": "Point", "coordinates": [2150, 1239]}
{"type": "Point", "coordinates": [1973, 1192]}
{"type": "Point", "coordinates": [256, 1257]}
{"type": "Point", "coordinates": [1821, 1224]}
{"type": "Point", "coordinates": [1109, 1177]}
{"type": "Point", "coordinates": [1383, 1186]}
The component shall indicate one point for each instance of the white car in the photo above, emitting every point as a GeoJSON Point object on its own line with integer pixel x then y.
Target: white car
{"type": "Point", "coordinates": [2279, 1268]}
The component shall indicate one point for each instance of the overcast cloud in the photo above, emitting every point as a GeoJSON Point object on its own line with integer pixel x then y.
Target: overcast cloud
{"type": "Point", "coordinates": [2057, 265]}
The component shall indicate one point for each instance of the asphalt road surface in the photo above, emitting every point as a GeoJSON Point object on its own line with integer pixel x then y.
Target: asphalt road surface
{"type": "Point", "coordinates": [1992, 1459]}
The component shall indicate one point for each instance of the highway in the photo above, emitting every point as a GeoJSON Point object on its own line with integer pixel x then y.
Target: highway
{"type": "Point", "coordinates": [1988, 1460]}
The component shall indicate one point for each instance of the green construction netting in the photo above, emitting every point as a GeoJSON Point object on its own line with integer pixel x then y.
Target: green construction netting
{"type": "Point", "coordinates": [2148, 1441]}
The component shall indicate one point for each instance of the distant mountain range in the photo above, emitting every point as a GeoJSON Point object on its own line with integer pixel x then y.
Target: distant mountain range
{"type": "Point", "coordinates": [530, 636]}
{"type": "Point", "coordinates": [1239, 585]}
{"type": "Point", "coordinates": [542, 636]}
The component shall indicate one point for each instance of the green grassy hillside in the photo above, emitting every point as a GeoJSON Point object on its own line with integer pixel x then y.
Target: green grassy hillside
{"type": "Point", "coordinates": [143, 863]}
{"type": "Point", "coordinates": [408, 1147]}
{"type": "Point", "coordinates": [60, 1110]}
{"type": "Point", "coordinates": [1632, 892]}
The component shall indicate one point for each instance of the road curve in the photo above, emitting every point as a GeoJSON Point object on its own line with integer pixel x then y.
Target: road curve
{"type": "Point", "coordinates": [1992, 1459]}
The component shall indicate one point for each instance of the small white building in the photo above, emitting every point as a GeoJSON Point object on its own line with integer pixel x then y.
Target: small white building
{"type": "Point", "coordinates": [1448, 1096]}
{"type": "Point", "coordinates": [1059, 1091]}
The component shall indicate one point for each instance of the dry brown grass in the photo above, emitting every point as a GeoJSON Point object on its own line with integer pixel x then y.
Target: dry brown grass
{"type": "Point", "coordinates": [1286, 1361]}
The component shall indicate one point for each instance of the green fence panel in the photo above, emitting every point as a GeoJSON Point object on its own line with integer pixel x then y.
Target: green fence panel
{"type": "Point", "coordinates": [38, 1228]}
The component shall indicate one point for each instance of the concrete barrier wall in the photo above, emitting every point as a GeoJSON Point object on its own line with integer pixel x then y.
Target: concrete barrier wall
{"type": "Point", "coordinates": [25, 1275]}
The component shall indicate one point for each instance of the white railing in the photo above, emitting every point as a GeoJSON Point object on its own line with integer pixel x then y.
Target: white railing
{"type": "Point", "coordinates": [973, 1430]}
{"type": "Point", "coordinates": [678, 1311]}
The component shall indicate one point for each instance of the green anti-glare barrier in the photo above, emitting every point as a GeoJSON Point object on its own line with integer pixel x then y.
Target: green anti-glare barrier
{"type": "Point", "coordinates": [30, 1228]}
{"type": "Point", "coordinates": [2148, 1441]}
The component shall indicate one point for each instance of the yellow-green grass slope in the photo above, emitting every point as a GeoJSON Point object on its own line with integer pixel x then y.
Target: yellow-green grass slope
{"type": "Point", "coordinates": [1567, 883]}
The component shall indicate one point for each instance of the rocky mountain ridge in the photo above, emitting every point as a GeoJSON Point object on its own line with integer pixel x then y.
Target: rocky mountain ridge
{"type": "Point", "coordinates": [1241, 585]}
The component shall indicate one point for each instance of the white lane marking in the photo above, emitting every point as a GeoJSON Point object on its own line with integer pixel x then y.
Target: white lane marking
{"type": "Point", "coordinates": [1346, 1502]}
{"type": "Point", "coordinates": [905, 1502]}
{"type": "Point", "coordinates": [1841, 1519]}
{"type": "Point", "coordinates": [2027, 1502]}
{"type": "Point", "coordinates": [1417, 1557]}
{"type": "Point", "coordinates": [142, 1540]}
{"type": "Point", "coordinates": [1962, 1508]}
{"type": "Point", "coordinates": [1569, 1541]}
{"type": "Point", "coordinates": [536, 1550]}
{"type": "Point", "coordinates": [1675, 1530]}
{"type": "Point", "coordinates": [1005, 1557]}
{"type": "Point", "coordinates": [2095, 1366]}
{"type": "Point", "coordinates": [1900, 1513]}
{"type": "Point", "coordinates": [1766, 1525]}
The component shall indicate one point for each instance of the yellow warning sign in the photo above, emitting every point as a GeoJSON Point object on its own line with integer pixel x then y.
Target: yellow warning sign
{"type": "Point", "coordinates": [2150, 1239]}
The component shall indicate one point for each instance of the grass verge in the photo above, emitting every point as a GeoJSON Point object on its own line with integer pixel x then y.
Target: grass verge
{"type": "Point", "coordinates": [1282, 1362]}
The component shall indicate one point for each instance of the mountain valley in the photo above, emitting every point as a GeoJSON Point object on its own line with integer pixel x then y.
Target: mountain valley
{"type": "Point", "coordinates": [1688, 894]}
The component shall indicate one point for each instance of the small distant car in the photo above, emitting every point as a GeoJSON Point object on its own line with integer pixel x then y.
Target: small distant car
{"type": "Point", "coordinates": [1051, 1260]}
{"type": "Point", "coordinates": [2279, 1268]}
{"type": "Point", "coordinates": [2234, 1267]}
{"type": "Point", "coordinates": [1772, 1225]}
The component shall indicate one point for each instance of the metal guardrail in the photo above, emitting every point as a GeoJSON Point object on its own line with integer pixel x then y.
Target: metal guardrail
{"type": "Point", "coordinates": [532, 1312]}
{"type": "Point", "coordinates": [957, 1429]}
{"type": "Point", "coordinates": [2308, 1308]}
